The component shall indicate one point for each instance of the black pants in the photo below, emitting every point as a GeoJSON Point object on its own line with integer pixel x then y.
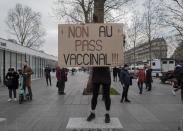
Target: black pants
{"type": "Point", "coordinates": [106, 94]}
{"type": "Point", "coordinates": [29, 90]}
{"type": "Point", "coordinates": [61, 87]}
{"type": "Point", "coordinates": [14, 93]}
{"type": "Point", "coordinates": [149, 86]}
{"type": "Point", "coordinates": [48, 77]}
{"type": "Point", "coordinates": [125, 92]}
{"type": "Point", "coordinates": [114, 77]}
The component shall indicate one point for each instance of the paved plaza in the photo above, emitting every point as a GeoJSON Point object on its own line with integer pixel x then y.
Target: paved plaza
{"type": "Point", "coordinates": [158, 110]}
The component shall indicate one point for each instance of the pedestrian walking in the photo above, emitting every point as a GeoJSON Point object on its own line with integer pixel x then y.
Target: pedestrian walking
{"type": "Point", "coordinates": [118, 72]}
{"type": "Point", "coordinates": [141, 78]}
{"type": "Point", "coordinates": [47, 72]}
{"type": "Point", "coordinates": [12, 83]}
{"type": "Point", "coordinates": [101, 76]}
{"type": "Point", "coordinates": [115, 73]}
{"type": "Point", "coordinates": [27, 72]}
{"type": "Point", "coordinates": [149, 78]}
{"type": "Point", "coordinates": [125, 79]}
{"type": "Point", "coordinates": [61, 75]}
{"type": "Point", "coordinates": [179, 77]}
{"type": "Point", "coordinates": [175, 85]}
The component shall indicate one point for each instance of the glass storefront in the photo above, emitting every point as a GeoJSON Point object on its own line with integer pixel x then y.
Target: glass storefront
{"type": "Point", "coordinates": [1, 67]}
{"type": "Point", "coordinates": [15, 60]}
{"type": "Point", "coordinates": [7, 61]}
{"type": "Point", "coordinates": [19, 61]}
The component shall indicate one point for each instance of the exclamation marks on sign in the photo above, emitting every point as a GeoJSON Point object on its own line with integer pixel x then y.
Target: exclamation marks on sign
{"type": "Point", "coordinates": [115, 58]}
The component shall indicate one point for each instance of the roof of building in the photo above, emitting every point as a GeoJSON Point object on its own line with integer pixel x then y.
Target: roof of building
{"type": "Point", "coordinates": [14, 47]}
{"type": "Point", "coordinates": [153, 41]}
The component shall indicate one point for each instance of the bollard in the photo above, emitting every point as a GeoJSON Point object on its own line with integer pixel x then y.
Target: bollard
{"type": "Point", "coordinates": [3, 124]}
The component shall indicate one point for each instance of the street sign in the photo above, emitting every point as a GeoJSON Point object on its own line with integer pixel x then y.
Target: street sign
{"type": "Point", "coordinates": [90, 45]}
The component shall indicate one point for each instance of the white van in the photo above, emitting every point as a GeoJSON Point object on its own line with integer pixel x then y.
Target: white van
{"type": "Point", "coordinates": [160, 66]}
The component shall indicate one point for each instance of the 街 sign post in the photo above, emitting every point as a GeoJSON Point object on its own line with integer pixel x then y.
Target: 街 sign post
{"type": "Point", "coordinates": [90, 45]}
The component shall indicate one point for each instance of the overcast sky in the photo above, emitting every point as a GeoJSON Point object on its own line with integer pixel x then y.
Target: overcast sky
{"type": "Point", "coordinates": [49, 23]}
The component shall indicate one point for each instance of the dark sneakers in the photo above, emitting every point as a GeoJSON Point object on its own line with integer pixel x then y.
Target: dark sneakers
{"type": "Point", "coordinates": [107, 118]}
{"type": "Point", "coordinates": [91, 117]}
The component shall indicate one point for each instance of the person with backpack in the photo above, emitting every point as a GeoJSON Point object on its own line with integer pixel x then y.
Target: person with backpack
{"type": "Point", "coordinates": [141, 78]}
{"type": "Point", "coordinates": [61, 75]}
{"type": "Point", "coordinates": [12, 83]}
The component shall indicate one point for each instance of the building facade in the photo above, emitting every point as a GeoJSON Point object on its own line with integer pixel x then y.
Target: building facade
{"type": "Point", "coordinates": [159, 50]}
{"type": "Point", "coordinates": [13, 55]}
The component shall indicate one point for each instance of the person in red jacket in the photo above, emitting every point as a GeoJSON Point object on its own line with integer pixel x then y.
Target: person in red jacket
{"type": "Point", "coordinates": [141, 76]}
{"type": "Point", "coordinates": [61, 75]}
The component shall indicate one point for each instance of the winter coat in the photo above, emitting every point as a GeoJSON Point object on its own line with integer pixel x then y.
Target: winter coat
{"type": "Point", "coordinates": [13, 77]}
{"type": "Point", "coordinates": [179, 75]}
{"type": "Point", "coordinates": [61, 75]}
{"type": "Point", "coordinates": [125, 77]}
{"type": "Point", "coordinates": [115, 71]}
{"type": "Point", "coordinates": [141, 76]}
{"type": "Point", "coordinates": [118, 71]}
{"type": "Point", "coordinates": [15, 80]}
{"type": "Point", "coordinates": [149, 76]}
{"type": "Point", "coordinates": [27, 72]}
{"type": "Point", "coordinates": [101, 75]}
{"type": "Point", "coordinates": [58, 74]}
{"type": "Point", "coordinates": [47, 71]}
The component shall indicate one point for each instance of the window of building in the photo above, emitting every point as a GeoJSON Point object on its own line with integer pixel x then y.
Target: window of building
{"type": "Point", "coordinates": [164, 62]}
{"type": "Point", "coordinates": [171, 62]}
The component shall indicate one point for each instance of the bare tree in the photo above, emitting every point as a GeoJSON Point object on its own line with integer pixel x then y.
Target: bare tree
{"type": "Point", "coordinates": [134, 34]}
{"type": "Point", "coordinates": [150, 22]}
{"type": "Point", "coordinates": [75, 11]}
{"type": "Point", "coordinates": [25, 25]}
{"type": "Point", "coordinates": [172, 18]}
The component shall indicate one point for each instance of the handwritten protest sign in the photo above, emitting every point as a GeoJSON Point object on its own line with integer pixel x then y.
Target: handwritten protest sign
{"type": "Point", "coordinates": [90, 45]}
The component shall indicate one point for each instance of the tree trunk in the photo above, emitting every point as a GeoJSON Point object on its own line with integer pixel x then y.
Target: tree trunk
{"type": "Point", "coordinates": [98, 17]}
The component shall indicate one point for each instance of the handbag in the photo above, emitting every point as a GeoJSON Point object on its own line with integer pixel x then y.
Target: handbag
{"type": "Point", "coordinates": [58, 84]}
{"type": "Point", "coordinates": [9, 82]}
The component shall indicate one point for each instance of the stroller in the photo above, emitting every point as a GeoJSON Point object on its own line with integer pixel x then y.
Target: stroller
{"type": "Point", "coordinates": [22, 94]}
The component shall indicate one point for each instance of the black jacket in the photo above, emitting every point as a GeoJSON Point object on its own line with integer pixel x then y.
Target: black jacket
{"type": "Point", "coordinates": [115, 71]}
{"type": "Point", "coordinates": [47, 71]}
{"type": "Point", "coordinates": [101, 75]}
{"type": "Point", "coordinates": [125, 77]}
{"type": "Point", "coordinates": [149, 76]}
{"type": "Point", "coordinates": [179, 75]}
{"type": "Point", "coordinates": [14, 80]}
